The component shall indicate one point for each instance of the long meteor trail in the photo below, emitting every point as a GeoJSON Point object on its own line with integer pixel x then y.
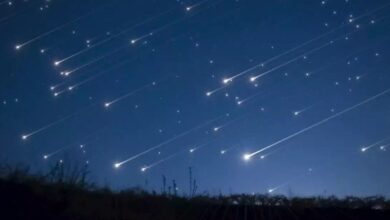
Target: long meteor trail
{"type": "Point", "coordinates": [19, 46]}
{"type": "Point", "coordinates": [262, 64]}
{"type": "Point", "coordinates": [108, 104]}
{"type": "Point", "coordinates": [248, 156]}
{"type": "Point", "coordinates": [364, 149]}
{"type": "Point", "coordinates": [26, 136]}
{"type": "Point", "coordinates": [114, 36]}
{"type": "Point", "coordinates": [254, 78]}
{"type": "Point", "coordinates": [119, 164]}
{"type": "Point", "coordinates": [147, 167]}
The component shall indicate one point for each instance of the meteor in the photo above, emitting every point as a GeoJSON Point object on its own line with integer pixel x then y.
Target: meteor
{"type": "Point", "coordinates": [384, 147]}
{"type": "Point", "coordinates": [108, 104]}
{"type": "Point", "coordinates": [189, 8]}
{"type": "Point", "coordinates": [226, 150]}
{"type": "Point", "coordinates": [298, 112]}
{"type": "Point", "coordinates": [28, 135]}
{"type": "Point", "coordinates": [40, 36]}
{"type": "Point", "coordinates": [364, 149]}
{"type": "Point", "coordinates": [114, 36]}
{"type": "Point", "coordinates": [147, 167]}
{"type": "Point", "coordinates": [263, 156]}
{"type": "Point", "coordinates": [272, 190]}
{"type": "Point", "coordinates": [159, 29]}
{"type": "Point", "coordinates": [85, 141]}
{"type": "Point", "coordinates": [254, 78]}
{"type": "Point", "coordinates": [67, 73]}
{"type": "Point", "coordinates": [248, 156]}
{"type": "Point", "coordinates": [209, 93]}
{"type": "Point", "coordinates": [174, 138]}
{"type": "Point", "coordinates": [262, 64]}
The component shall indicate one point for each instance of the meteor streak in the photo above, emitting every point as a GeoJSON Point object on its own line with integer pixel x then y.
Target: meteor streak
{"type": "Point", "coordinates": [209, 93]}
{"type": "Point", "coordinates": [262, 64]}
{"type": "Point", "coordinates": [85, 141]}
{"type": "Point", "coordinates": [19, 46]}
{"type": "Point", "coordinates": [159, 29]}
{"type": "Point", "coordinates": [298, 112]}
{"type": "Point", "coordinates": [189, 8]}
{"type": "Point", "coordinates": [248, 156]}
{"type": "Point", "coordinates": [114, 36]}
{"type": "Point", "coordinates": [364, 149]}
{"type": "Point", "coordinates": [28, 135]}
{"type": "Point", "coordinates": [254, 78]}
{"type": "Point", "coordinates": [119, 164]}
{"type": "Point", "coordinates": [108, 104]}
{"type": "Point", "coordinates": [67, 73]}
{"type": "Point", "coordinates": [271, 190]}
{"type": "Point", "coordinates": [145, 168]}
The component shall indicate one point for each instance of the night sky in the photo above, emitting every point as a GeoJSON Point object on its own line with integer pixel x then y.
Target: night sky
{"type": "Point", "coordinates": [273, 96]}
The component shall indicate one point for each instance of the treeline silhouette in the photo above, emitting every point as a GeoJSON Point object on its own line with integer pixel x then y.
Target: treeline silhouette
{"type": "Point", "coordinates": [65, 193]}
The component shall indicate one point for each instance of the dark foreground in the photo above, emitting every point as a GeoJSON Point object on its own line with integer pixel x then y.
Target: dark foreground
{"type": "Point", "coordinates": [41, 197]}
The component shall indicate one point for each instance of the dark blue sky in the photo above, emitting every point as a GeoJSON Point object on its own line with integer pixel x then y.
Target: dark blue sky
{"type": "Point", "coordinates": [313, 120]}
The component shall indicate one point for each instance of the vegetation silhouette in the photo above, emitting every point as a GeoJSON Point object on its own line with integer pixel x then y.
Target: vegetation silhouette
{"type": "Point", "coordinates": [65, 193]}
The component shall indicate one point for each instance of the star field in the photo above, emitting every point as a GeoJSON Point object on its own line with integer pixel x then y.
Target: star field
{"type": "Point", "coordinates": [288, 97]}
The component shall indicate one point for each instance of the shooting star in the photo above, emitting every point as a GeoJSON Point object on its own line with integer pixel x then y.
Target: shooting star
{"type": "Point", "coordinates": [85, 140]}
{"type": "Point", "coordinates": [39, 130]}
{"type": "Point", "coordinates": [364, 149]}
{"type": "Point", "coordinates": [40, 36]}
{"type": "Point", "coordinates": [189, 8]}
{"type": "Point", "coordinates": [254, 78]}
{"type": "Point", "coordinates": [108, 104]}
{"type": "Point", "coordinates": [209, 93]}
{"type": "Point", "coordinates": [113, 36]}
{"type": "Point", "coordinates": [299, 112]}
{"type": "Point", "coordinates": [147, 167]}
{"type": "Point", "coordinates": [248, 156]}
{"type": "Point", "coordinates": [262, 64]}
{"type": "Point", "coordinates": [67, 73]}
{"type": "Point", "coordinates": [272, 190]}
{"type": "Point", "coordinates": [174, 138]}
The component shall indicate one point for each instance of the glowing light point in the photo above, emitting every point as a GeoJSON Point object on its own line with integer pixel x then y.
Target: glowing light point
{"type": "Point", "coordinates": [208, 93]}
{"type": "Point", "coordinates": [70, 88]}
{"type": "Point", "coordinates": [52, 88]}
{"type": "Point", "coordinates": [192, 150]}
{"type": "Point", "coordinates": [18, 47]}
{"type": "Point", "coordinates": [45, 157]}
{"type": "Point", "coordinates": [56, 63]}
{"type": "Point", "coordinates": [227, 80]}
{"type": "Point", "coordinates": [117, 165]}
{"type": "Point", "coordinates": [246, 157]}
{"type": "Point", "coordinates": [133, 41]}
{"type": "Point", "coordinates": [143, 169]}
{"type": "Point", "coordinates": [188, 8]}
{"type": "Point", "coordinates": [271, 190]}
{"type": "Point", "coordinates": [363, 149]}
{"type": "Point", "coordinates": [262, 157]}
{"type": "Point", "coordinates": [107, 104]}
{"type": "Point", "coordinates": [252, 79]}
{"type": "Point", "coordinates": [239, 102]}
{"type": "Point", "coordinates": [216, 129]}
{"type": "Point", "coordinates": [223, 151]}
{"type": "Point", "coordinates": [24, 137]}
{"type": "Point", "coordinates": [296, 113]}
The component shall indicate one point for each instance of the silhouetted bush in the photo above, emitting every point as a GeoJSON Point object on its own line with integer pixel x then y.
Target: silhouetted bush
{"type": "Point", "coordinates": [65, 193]}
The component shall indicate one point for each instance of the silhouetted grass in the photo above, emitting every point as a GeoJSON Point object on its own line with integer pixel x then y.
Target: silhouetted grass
{"type": "Point", "coordinates": [65, 193]}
